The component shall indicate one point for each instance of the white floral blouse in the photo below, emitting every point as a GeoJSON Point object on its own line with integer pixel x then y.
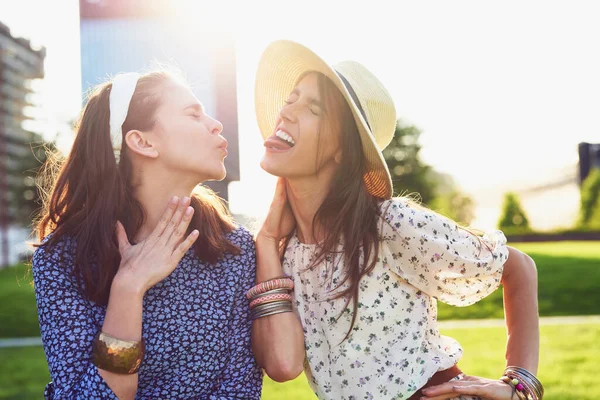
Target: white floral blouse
{"type": "Point", "coordinates": [395, 345]}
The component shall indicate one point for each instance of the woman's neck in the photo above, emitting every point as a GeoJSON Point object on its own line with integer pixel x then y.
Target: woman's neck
{"type": "Point", "coordinates": [154, 191]}
{"type": "Point", "coordinates": [306, 195]}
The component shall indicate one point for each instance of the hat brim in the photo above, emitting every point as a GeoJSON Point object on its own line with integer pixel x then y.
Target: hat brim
{"type": "Point", "coordinates": [281, 66]}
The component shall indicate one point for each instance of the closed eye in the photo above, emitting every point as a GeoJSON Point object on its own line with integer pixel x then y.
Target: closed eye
{"type": "Point", "coordinates": [317, 113]}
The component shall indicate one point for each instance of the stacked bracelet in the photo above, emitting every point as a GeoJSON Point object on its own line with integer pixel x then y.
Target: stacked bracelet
{"type": "Point", "coordinates": [271, 297]}
{"type": "Point", "coordinates": [524, 383]}
{"type": "Point", "coordinates": [273, 284]}
{"type": "Point", "coordinates": [115, 355]}
{"type": "Point", "coordinates": [516, 386]}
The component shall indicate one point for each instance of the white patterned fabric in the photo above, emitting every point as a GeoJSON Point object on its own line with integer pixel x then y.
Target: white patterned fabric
{"type": "Point", "coordinates": [395, 345]}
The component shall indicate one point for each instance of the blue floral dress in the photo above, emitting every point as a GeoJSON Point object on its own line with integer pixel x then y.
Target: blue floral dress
{"type": "Point", "coordinates": [395, 346]}
{"type": "Point", "coordinates": [196, 329]}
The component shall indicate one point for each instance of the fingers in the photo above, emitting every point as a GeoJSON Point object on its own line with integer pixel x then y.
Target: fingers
{"type": "Point", "coordinates": [442, 397]}
{"type": "Point", "coordinates": [165, 218]}
{"type": "Point", "coordinates": [444, 390]}
{"type": "Point", "coordinates": [474, 386]}
{"type": "Point", "coordinates": [176, 218]}
{"type": "Point", "coordinates": [181, 227]}
{"type": "Point", "coordinates": [281, 187]}
{"type": "Point", "coordinates": [184, 246]}
{"type": "Point", "coordinates": [475, 390]}
{"type": "Point", "coordinates": [122, 239]}
{"type": "Point", "coordinates": [280, 196]}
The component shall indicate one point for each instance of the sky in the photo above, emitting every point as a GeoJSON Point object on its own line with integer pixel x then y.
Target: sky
{"type": "Point", "coordinates": [503, 91]}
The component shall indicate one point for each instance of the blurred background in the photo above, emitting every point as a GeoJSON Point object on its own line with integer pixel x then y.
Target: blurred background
{"type": "Point", "coordinates": [498, 106]}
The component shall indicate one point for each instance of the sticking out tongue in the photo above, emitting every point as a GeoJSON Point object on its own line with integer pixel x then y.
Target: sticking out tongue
{"type": "Point", "coordinates": [276, 143]}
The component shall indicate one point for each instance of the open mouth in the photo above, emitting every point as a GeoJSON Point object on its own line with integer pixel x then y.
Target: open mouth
{"type": "Point", "coordinates": [280, 141]}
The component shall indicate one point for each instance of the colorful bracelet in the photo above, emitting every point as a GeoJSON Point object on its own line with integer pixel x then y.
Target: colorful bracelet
{"type": "Point", "coordinates": [272, 284]}
{"type": "Point", "coordinates": [270, 292]}
{"type": "Point", "coordinates": [270, 298]}
{"type": "Point", "coordinates": [533, 387]}
{"type": "Point", "coordinates": [115, 355]}
{"type": "Point", "coordinates": [516, 390]}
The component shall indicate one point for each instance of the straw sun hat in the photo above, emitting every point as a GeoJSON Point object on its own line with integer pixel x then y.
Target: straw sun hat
{"type": "Point", "coordinates": [284, 62]}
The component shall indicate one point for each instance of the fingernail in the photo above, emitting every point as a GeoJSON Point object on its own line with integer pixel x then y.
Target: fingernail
{"type": "Point", "coordinates": [174, 200]}
{"type": "Point", "coordinates": [189, 211]}
{"type": "Point", "coordinates": [186, 199]}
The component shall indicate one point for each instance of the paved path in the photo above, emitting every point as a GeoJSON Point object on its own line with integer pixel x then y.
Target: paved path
{"type": "Point", "coordinates": [21, 342]}
{"type": "Point", "coordinates": [489, 323]}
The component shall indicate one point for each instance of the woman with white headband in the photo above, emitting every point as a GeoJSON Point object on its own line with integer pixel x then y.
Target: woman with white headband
{"type": "Point", "coordinates": [140, 279]}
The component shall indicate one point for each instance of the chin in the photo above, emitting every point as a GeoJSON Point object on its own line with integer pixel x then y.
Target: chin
{"type": "Point", "coordinates": [270, 167]}
{"type": "Point", "coordinates": [216, 174]}
{"type": "Point", "coordinates": [219, 174]}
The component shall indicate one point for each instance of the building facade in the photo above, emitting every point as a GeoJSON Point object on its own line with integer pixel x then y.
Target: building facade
{"type": "Point", "coordinates": [19, 65]}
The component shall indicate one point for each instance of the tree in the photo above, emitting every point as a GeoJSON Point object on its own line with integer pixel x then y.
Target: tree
{"type": "Point", "coordinates": [409, 174]}
{"type": "Point", "coordinates": [455, 205]}
{"type": "Point", "coordinates": [513, 218]}
{"type": "Point", "coordinates": [589, 213]}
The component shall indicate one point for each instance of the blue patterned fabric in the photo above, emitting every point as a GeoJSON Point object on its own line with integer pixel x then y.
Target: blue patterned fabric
{"type": "Point", "coordinates": [196, 329]}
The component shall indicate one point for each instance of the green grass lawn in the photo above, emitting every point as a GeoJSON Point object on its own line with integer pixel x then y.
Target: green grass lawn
{"type": "Point", "coordinates": [18, 315]}
{"type": "Point", "coordinates": [568, 364]}
{"type": "Point", "coordinates": [568, 282]}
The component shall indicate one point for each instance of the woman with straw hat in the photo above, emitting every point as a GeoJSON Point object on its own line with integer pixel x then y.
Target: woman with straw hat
{"type": "Point", "coordinates": [363, 270]}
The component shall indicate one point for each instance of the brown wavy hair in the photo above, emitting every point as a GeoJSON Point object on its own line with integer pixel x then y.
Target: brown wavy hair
{"type": "Point", "coordinates": [349, 212]}
{"type": "Point", "coordinates": [88, 192]}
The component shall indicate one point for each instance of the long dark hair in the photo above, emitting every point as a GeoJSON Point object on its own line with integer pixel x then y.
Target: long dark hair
{"type": "Point", "coordinates": [348, 211]}
{"type": "Point", "coordinates": [89, 192]}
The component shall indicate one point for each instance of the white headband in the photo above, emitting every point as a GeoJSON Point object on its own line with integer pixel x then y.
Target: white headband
{"type": "Point", "coordinates": [123, 87]}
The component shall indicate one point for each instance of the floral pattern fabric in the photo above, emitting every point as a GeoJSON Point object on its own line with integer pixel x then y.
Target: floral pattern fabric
{"type": "Point", "coordinates": [196, 329]}
{"type": "Point", "coordinates": [394, 347]}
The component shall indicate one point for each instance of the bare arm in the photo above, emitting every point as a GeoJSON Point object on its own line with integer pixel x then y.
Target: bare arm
{"type": "Point", "coordinates": [123, 320]}
{"type": "Point", "coordinates": [277, 340]}
{"type": "Point", "coordinates": [519, 280]}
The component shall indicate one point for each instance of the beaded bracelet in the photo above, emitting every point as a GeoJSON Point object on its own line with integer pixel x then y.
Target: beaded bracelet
{"type": "Point", "coordinates": [527, 378]}
{"type": "Point", "coordinates": [516, 387]}
{"type": "Point", "coordinates": [277, 283]}
{"type": "Point", "coordinates": [524, 383]}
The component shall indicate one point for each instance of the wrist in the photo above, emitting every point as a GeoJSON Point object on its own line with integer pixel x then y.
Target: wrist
{"type": "Point", "coordinates": [125, 285]}
{"type": "Point", "coordinates": [265, 240]}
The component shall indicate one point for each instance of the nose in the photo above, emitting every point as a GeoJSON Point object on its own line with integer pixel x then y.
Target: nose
{"type": "Point", "coordinates": [216, 127]}
{"type": "Point", "coordinates": [288, 112]}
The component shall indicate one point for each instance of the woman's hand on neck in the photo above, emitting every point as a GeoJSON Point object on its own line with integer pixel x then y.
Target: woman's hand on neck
{"type": "Point", "coordinates": [305, 195]}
